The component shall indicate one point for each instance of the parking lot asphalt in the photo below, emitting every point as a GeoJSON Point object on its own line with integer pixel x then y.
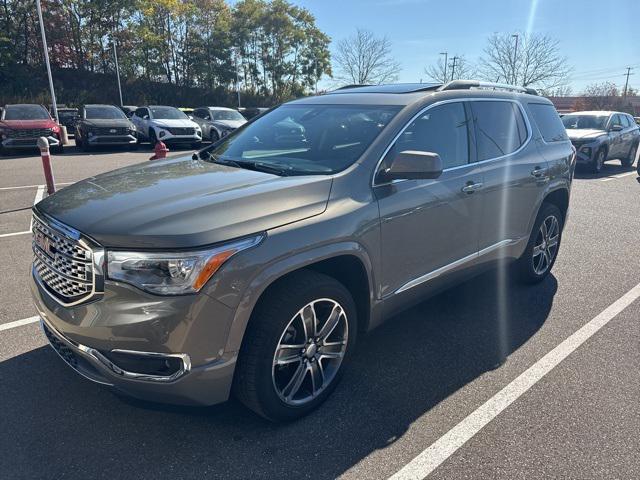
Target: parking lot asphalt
{"type": "Point", "coordinates": [411, 382]}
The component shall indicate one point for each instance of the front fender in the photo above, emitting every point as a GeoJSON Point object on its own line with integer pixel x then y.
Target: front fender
{"type": "Point", "coordinates": [274, 271]}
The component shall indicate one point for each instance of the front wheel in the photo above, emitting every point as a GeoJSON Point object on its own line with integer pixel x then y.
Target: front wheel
{"type": "Point", "coordinates": [298, 341]}
{"type": "Point", "coordinates": [544, 242]}
{"type": "Point", "coordinates": [628, 161]}
{"type": "Point", "coordinates": [598, 161]}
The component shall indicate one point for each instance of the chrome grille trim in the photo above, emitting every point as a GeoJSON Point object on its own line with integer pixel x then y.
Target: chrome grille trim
{"type": "Point", "coordinates": [67, 269]}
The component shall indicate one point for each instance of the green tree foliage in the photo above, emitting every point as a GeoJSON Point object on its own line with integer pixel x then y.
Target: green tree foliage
{"type": "Point", "coordinates": [270, 49]}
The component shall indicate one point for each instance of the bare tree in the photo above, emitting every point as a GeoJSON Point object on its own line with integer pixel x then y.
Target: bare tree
{"type": "Point", "coordinates": [605, 96]}
{"type": "Point", "coordinates": [458, 68]}
{"type": "Point", "coordinates": [364, 58]}
{"type": "Point", "coordinates": [526, 60]}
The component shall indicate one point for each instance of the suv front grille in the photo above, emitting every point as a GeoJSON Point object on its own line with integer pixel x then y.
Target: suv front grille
{"type": "Point", "coordinates": [182, 130]}
{"type": "Point", "coordinates": [109, 130]}
{"type": "Point", "coordinates": [64, 266]}
{"type": "Point", "coordinates": [29, 133]}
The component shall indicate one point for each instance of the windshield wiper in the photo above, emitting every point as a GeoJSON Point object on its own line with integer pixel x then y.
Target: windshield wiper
{"type": "Point", "coordinates": [248, 165]}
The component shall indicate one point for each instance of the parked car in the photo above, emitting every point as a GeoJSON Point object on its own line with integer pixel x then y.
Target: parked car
{"type": "Point", "coordinates": [22, 124]}
{"type": "Point", "coordinates": [600, 136]}
{"type": "Point", "coordinates": [637, 119]}
{"type": "Point", "coordinates": [158, 122]}
{"type": "Point", "coordinates": [104, 125]}
{"type": "Point", "coordinates": [68, 117]}
{"type": "Point", "coordinates": [254, 265]}
{"type": "Point", "coordinates": [217, 122]}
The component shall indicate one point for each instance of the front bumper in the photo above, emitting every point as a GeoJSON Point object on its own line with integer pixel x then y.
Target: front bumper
{"type": "Point", "coordinates": [169, 138]}
{"type": "Point", "coordinates": [17, 143]}
{"type": "Point", "coordinates": [585, 151]}
{"type": "Point", "coordinates": [112, 140]}
{"type": "Point", "coordinates": [192, 329]}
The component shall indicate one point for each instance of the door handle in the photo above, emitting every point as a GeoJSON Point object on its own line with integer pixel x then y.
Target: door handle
{"type": "Point", "coordinates": [539, 172]}
{"type": "Point", "coordinates": [471, 187]}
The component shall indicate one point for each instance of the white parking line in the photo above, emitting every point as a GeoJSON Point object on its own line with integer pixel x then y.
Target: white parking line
{"type": "Point", "coordinates": [427, 461]}
{"type": "Point", "coordinates": [14, 234]}
{"type": "Point", "coordinates": [19, 187]}
{"type": "Point", "coordinates": [620, 175]}
{"type": "Point", "coordinates": [18, 323]}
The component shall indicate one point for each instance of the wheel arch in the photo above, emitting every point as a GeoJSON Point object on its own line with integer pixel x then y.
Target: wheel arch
{"type": "Point", "coordinates": [348, 263]}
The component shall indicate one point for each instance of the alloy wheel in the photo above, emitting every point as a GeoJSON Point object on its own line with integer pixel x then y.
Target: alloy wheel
{"type": "Point", "coordinates": [546, 245]}
{"type": "Point", "coordinates": [310, 351]}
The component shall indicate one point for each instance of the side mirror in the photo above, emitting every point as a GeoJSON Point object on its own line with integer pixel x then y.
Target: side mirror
{"type": "Point", "coordinates": [414, 165]}
{"type": "Point", "coordinates": [616, 128]}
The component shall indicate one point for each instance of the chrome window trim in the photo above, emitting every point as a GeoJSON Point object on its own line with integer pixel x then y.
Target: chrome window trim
{"type": "Point", "coordinates": [450, 266]}
{"type": "Point", "coordinates": [456, 100]}
{"type": "Point", "coordinates": [104, 362]}
{"type": "Point", "coordinates": [97, 259]}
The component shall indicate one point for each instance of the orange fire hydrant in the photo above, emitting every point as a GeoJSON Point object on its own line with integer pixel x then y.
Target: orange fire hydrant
{"type": "Point", "coordinates": [159, 151]}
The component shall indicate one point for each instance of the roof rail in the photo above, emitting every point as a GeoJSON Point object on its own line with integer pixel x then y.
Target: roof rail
{"type": "Point", "coordinates": [469, 84]}
{"type": "Point", "coordinates": [354, 85]}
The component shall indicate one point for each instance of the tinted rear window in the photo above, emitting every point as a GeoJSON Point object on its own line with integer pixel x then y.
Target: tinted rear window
{"type": "Point", "coordinates": [500, 128]}
{"type": "Point", "coordinates": [548, 122]}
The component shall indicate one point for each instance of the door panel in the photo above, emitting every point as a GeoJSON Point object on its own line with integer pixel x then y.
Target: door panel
{"type": "Point", "coordinates": [428, 224]}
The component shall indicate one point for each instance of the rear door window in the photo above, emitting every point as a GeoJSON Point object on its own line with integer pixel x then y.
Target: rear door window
{"type": "Point", "coordinates": [548, 122]}
{"type": "Point", "coordinates": [500, 128]}
{"type": "Point", "coordinates": [442, 130]}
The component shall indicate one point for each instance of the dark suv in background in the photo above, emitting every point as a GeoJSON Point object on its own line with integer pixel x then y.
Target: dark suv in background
{"type": "Point", "coordinates": [104, 125]}
{"type": "Point", "coordinates": [254, 265]}
{"type": "Point", "coordinates": [601, 136]}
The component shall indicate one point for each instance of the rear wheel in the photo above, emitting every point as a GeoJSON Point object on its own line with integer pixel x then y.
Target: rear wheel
{"type": "Point", "coordinates": [296, 347]}
{"type": "Point", "coordinates": [627, 162]}
{"type": "Point", "coordinates": [544, 242]}
{"type": "Point", "coordinates": [152, 137]}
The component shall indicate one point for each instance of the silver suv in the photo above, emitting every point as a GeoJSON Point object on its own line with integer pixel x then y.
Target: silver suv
{"type": "Point", "coordinates": [253, 266]}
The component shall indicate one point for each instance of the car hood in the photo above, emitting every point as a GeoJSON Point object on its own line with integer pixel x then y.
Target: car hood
{"type": "Point", "coordinates": [229, 123]}
{"type": "Point", "coordinates": [182, 203]}
{"type": "Point", "coordinates": [174, 123]}
{"type": "Point", "coordinates": [107, 122]}
{"type": "Point", "coordinates": [584, 133]}
{"type": "Point", "coordinates": [24, 124]}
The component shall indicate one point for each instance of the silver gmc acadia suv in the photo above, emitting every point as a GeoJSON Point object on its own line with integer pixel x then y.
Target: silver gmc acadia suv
{"type": "Point", "coordinates": [253, 266]}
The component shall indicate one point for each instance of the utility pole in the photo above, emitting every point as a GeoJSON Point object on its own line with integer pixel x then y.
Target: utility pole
{"type": "Point", "coordinates": [453, 67]}
{"type": "Point", "coordinates": [237, 80]}
{"type": "Point", "coordinates": [515, 60]}
{"type": "Point", "coordinates": [446, 60]}
{"type": "Point", "coordinates": [54, 105]}
{"type": "Point", "coordinates": [626, 85]}
{"type": "Point", "coordinates": [115, 56]}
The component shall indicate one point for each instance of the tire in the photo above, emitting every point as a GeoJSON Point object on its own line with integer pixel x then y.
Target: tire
{"type": "Point", "coordinates": [213, 135]}
{"type": "Point", "coordinates": [631, 156]}
{"type": "Point", "coordinates": [269, 389]}
{"type": "Point", "coordinates": [152, 138]}
{"type": "Point", "coordinates": [58, 150]}
{"type": "Point", "coordinates": [598, 161]}
{"type": "Point", "coordinates": [196, 145]}
{"type": "Point", "coordinates": [529, 267]}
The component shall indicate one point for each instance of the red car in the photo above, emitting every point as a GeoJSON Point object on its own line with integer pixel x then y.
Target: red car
{"type": "Point", "coordinates": [22, 124]}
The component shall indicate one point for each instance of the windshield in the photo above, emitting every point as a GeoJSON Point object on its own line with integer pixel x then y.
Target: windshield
{"type": "Point", "coordinates": [307, 139]}
{"type": "Point", "coordinates": [167, 113]}
{"type": "Point", "coordinates": [26, 112]}
{"type": "Point", "coordinates": [104, 113]}
{"type": "Point", "coordinates": [226, 115]}
{"type": "Point", "coordinates": [595, 122]}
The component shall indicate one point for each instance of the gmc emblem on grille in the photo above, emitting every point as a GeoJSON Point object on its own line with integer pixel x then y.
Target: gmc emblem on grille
{"type": "Point", "coordinates": [44, 243]}
{"type": "Point", "coordinates": [113, 130]}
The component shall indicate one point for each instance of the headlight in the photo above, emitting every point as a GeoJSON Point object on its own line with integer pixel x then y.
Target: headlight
{"type": "Point", "coordinates": [162, 133]}
{"type": "Point", "coordinates": [173, 273]}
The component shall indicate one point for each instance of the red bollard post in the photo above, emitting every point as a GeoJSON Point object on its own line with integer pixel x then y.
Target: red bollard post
{"type": "Point", "coordinates": [160, 151]}
{"type": "Point", "coordinates": [43, 145]}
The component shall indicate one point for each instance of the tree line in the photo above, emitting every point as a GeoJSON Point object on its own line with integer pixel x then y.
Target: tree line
{"type": "Point", "coordinates": [273, 49]}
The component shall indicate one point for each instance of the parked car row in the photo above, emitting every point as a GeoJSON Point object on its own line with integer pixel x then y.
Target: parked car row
{"type": "Point", "coordinates": [107, 125]}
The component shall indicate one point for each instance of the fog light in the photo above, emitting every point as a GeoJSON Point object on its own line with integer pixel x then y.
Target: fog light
{"type": "Point", "coordinates": [586, 151]}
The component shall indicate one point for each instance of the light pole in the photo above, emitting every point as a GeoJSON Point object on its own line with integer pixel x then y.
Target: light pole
{"type": "Point", "coordinates": [446, 59]}
{"type": "Point", "coordinates": [515, 60]}
{"type": "Point", "coordinates": [115, 56]}
{"type": "Point", "coordinates": [453, 67]}
{"type": "Point", "coordinates": [237, 79]}
{"type": "Point", "coordinates": [54, 105]}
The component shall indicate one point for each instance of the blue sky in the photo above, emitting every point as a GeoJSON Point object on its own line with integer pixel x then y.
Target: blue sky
{"type": "Point", "coordinates": [599, 37]}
